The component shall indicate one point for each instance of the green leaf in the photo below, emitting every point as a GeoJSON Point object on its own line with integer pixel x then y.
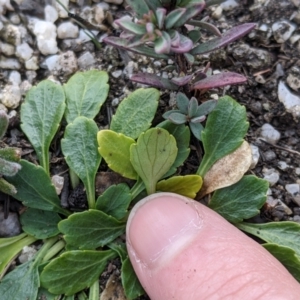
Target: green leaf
{"type": "Point", "coordinates": [10, 247]}
{"type": "Point", "coordinates": [130, 26]}
{"type": "Point", "coordinates": [163, 43]}
{"type": "Point", "coordinates": [206, 108]}
{"type": "Point", "coordinates": [8, 168]}
{"type": "Point", "coordinates": [85, 94]}
{"type": "Point", "coordinates": [43, 294]}
{"type": "Point", "coordinates": [283, 233]}
{"type": "Point", "coordinates": [35, 189]}
{"type": "Point", "coordinates": [39, 223]}
{"type": "Point", "coordinates": [173, 17]}
{"type": "Point", "coordinates": [181, 134]}
{"type": "Point", "coordinates": [115, 201]}
{"type": "Point", "coordinates": [22, 283]}
{"type": "Point", "coordinates": [182, 102]}
{"type": "Point", "coordinates": [3, 123]}
{"type": "Point", "coordinates": [153, 155]}
{"type": "Point", "coordinates": [79, 147]}
{"type": "Point", "coordinates": [135, 113]}
{"type": "Point", "coordinates": [225, 129]}
{"type": "Point", "coordinates": [153, 4]}
{"type": "Point", "coordinates": [196, 129]}
{"type": "Point", "coordinates": [90, 229]}
{"type": "Point", "coordinates": [120, 248]}
{"type": "Point", "coordinates": [130, 282]}
{"type": "Point", "coordinates": [139, 7]}
{"type": "Point", "coordinates": [41, 114]}
{"type": "Point", "coordinates": [74, 270]}
{"type": "Point", "coordinates": [187, 185]}
{"type": "Point", "coordinates": [241, 200]}
{"type": "Point", "coordinates": [115, 149]}
{"type": "Point", "coordinates": [177, 118]}
{"type": "Point", "coordinates": [7, 188]}
{"type": "Point", "coordinates": [287, 257]}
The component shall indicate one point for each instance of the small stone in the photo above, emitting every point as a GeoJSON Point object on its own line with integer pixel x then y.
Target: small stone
{"type": "Point", "coordinates": [7, 49]}
{"type": "Point", "coordinates": [115, 102]}
{"type": "Point", "coordinates": [67, 30]}
{"type": "Point", "coordinates": [25, 86]}
{"type": "Point", "coordinates": [282, 165]}
{"type": "Point", "coordinates": [60, 9]}
{"type": "Point", "coordinates": [290, 100]}
{"type": "Point", "coordinates": [217, 14]}
{"type": "Point", "coordinates": [24, 51]}
{"type": "Point", "coordinates": [296, 199]}
{"type": "Point", "coordinates": [94, 15]}
{"type": "Point", "coordinates": [282, 31]}
{"type": "Point", "coordinates": [297, 171]}
{"type": "Point", "coordinates": [296, 3]}
{"type": "Point", "coordinates": [293, 79]}
{"type": "Point", "coordinates": [9, 226]}
{"type": "Point", "coordinates": [51, 14]}
{"type": "Point", "coordinates": [255, 156]}
{"type": "Point", "coordinates": [117, 73]}
{"type": "Point", "coordinates": [15, 19]}
{"type": "Point", "coordinates": [11, 34]}
{"type": "Point", "coordinates": [229, 5]}
{"type": "Point", "coordinates": [86, 60]}
{"type": "Point", "coordinates": [293, 188]}
{"type": "Point", "coordinates": [11, 96]}
{"type": "Point", "coordinates": [269, 155]}
{"type": "Point", "coordinates": [270, 134]}
{"type": "Point", "coordinates": [28, 252]}
{"type": "Point", "coordinates": [58, 182]}
{"type": "Point", "coordinates": [9, 63]}
{"type": "Point", "coordinates": [31, 75]}
{"type": "Point", "coordinates": [32, 63]}
{"type": "Point", "coordinates": [14, 78]}
{"type": "Point", "coordinates": [286, 209]}
{"type": "Point", "coordinates": [271, 175]}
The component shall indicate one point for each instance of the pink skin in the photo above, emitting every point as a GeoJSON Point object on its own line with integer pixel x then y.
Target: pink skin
{"type": "Point", "coordinates": [181, 249]}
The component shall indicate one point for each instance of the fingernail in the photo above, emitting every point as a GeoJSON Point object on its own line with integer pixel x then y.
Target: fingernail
{"type": "Point", "coordinates": [160, 226]}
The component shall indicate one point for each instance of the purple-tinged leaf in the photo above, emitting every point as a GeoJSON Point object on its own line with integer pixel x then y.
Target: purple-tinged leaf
{"type": "Point", "coordinates": [167, 113]}
{"type": "Point", "coordinates": [182, 102]}
{"type": "Point", "coordinates": [185, 45]}
{"type": "Point", "coordinates": [191, 12]}
{"type": "Point", "coordinates": [177, 118]}
{"type": "Point", "coordinates": [219, 80]}
{"type": "Point", "coordinates": [189, 58]}
{"type": "Point", "coordinates": [160, 14]}
{"type": "Point", "coordinates": [205, 25]}
{"type": "Point", "coordinates": [126, 24]}
{"type": "Point", "coordinates": [199, 76]}
{"type": "Point", "coordinates": [175, 38]}
{"type": "Point", "coordinates": [194, 35]}
{"type": "Point", "coordinates": [173, 17]}
{"type": "Point", "coordinates": [206, 107]}
{"type": "Point", "coordinates": [198, 119]}
{"type": "Point", "coordinates": [228, 37]}
{"type": "Point", "coordinates": [140, 7]}
{"type": "Point", "coordinates": [180, 81]}
{"type": "Point", "coordinates": [193, 105]}
{"type": "Point", "coordinates": [153, 4]}
{"type": "Point", "coordinates": [123, 44]}
{"type": "Point", "coordinates": [154, 81]}
{"type": "Point", "coordinates": [196, 129]}
{"type": "Point", "coordinates": [163, 43]}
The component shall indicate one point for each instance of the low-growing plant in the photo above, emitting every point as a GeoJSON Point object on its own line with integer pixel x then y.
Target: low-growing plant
{"type": "Point", "coordinates": [78, 245]}
{"type": "Point", "coordinates": [9, 158]}
{"type": "Point", "coordinates": [190, 112]}
{"type": "Point", "coordinates": [172, 29]}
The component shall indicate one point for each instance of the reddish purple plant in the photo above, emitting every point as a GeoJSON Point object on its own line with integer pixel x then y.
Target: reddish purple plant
{"type": "Point", "coordinates": [159, 31]}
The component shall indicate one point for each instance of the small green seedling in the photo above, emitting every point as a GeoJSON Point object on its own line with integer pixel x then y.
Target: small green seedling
{"type": "Point", "coordinates": [9, 158]}
{"type": "Point", "coordinates": [150, 156]}
{"type": "Point", "coordinates": [190, 112]}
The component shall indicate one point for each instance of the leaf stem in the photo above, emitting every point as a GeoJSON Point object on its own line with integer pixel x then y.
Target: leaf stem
{"type": "Point", "coordinates": [90, 191]}
{"type": "Point", "coordinates": [43, 251]}
{"type": "Point", "coordinates": [45, 161]}
{"type": "Point", "coordinates": [82, 296]}
{"type": "Point", "coordinates": [74, 179]}
{"type": "Point", "coordinates": [54, 250]}
{"type": "Point", "coordinates": [94, 291]}
{"type": "Point", "coordinates": [138, 187]}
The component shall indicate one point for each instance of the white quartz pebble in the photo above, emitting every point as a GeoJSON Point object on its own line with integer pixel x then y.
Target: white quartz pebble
{"type": "Point", "coordinates": [24, 51]}
{"type": "Point", "coordinates": [67, 30]}
{"type": "Point", "coordinates": [270, 134]}
{"type": "Point", "coordinates": [282, 30]}
{"type": "Point", "coordinates": [51, 14]}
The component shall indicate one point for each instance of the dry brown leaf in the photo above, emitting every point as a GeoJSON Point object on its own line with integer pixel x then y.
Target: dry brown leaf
{"type": "Point", "coordinates": [227, 170]}
{"type": "Point", "coordinates": [113, 289]}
